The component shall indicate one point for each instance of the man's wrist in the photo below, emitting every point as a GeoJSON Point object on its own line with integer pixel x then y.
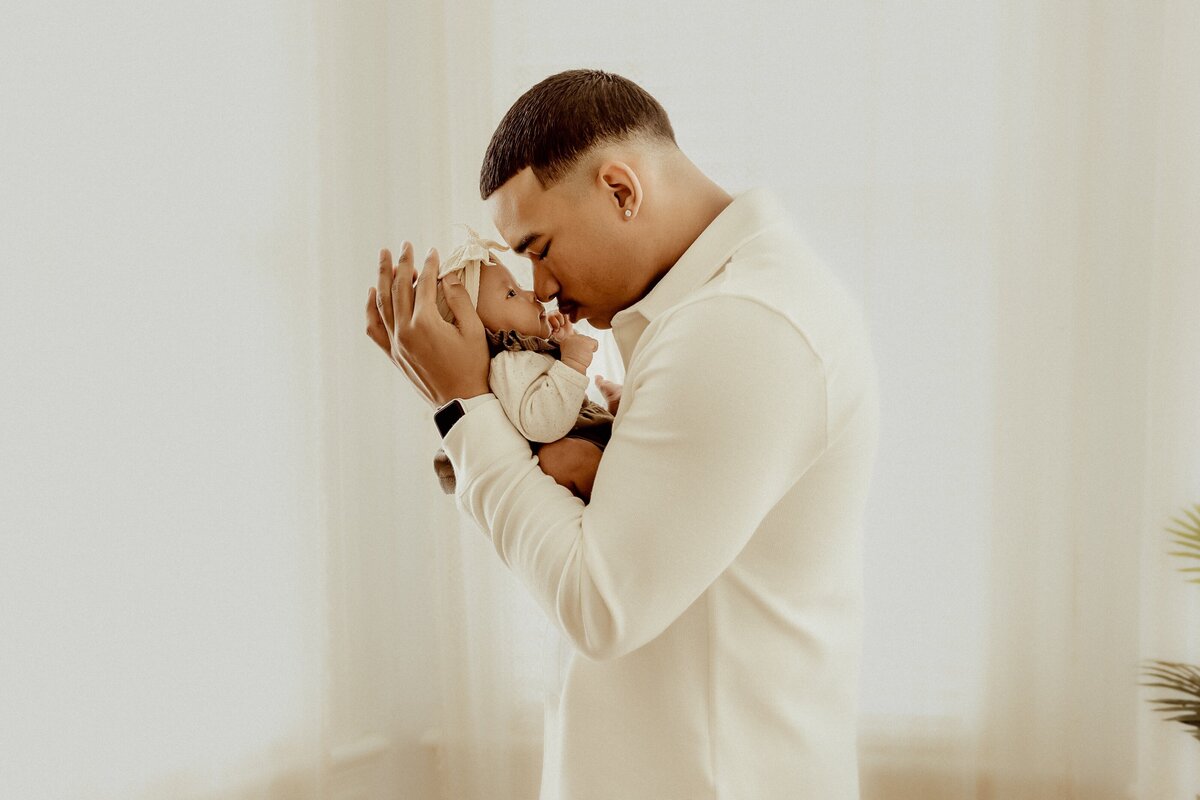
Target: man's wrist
{"type": "Point", "coordinates": [455, 408]}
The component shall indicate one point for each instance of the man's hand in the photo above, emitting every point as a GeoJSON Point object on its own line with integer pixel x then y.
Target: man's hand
{"type": "Point", "coordinates": [611, 392]}
{"type": "Point", "coordinates": [442, 360]}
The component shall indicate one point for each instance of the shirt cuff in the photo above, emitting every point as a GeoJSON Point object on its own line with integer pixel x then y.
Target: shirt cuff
{"type": "Point", "coordinates": [484, 434]}
{"type": "Point", "coordinates": [476, 401]}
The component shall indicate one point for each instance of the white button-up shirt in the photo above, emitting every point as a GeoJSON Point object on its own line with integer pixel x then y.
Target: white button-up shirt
{"type": "Point", "coordinates": [713, 587]}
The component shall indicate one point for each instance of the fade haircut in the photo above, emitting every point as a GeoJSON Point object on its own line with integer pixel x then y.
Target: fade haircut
{"type": "Point", "coordinates": [555, 123]}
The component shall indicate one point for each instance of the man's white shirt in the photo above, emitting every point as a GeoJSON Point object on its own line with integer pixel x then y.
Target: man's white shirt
{"type": "Point", "coordinates": [713, 587]}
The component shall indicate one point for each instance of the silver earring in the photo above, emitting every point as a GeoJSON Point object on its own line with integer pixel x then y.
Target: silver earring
{"type": "Point", "coordinates": [628, 213]}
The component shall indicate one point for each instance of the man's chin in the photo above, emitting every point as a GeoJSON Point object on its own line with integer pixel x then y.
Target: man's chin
{"type": "Point", "coordinates": [597, 321]}
{"type": "Point", "coordinates": [574, 313]}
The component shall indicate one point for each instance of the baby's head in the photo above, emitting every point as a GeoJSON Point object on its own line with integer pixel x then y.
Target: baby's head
{"type": "Point", "coordinates": [501, 303]}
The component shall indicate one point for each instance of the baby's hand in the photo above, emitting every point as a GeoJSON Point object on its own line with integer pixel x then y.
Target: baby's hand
{"type": "Point", "coordinates": [611, 392]}
{"type": "Point", "coordinates": [556, 320]}
{"type": "Point", "coordinates": [561, 327]}
{"type": "Point", "coordinates": [575, 348]}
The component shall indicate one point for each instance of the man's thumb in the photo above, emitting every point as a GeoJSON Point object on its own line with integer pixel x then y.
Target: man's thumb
{"type": "Point", "coordinates": [460, 304]}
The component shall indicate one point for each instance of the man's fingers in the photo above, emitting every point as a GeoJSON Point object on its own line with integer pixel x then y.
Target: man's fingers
{"type": "Point", "coordinates": [375, 327]}
{"type": "Point", "coordinates": [379, 335]}
{"type": "Point", "coordinates": [427, 284]}
{"type": "Point", "coordinates": [384, 287]}
{"type": "Point", "coordinates": [403, 305]}
{"type": "Point", "coordinates": [402, 291]}
{"type": "Point", "coordinates": [466, 318]}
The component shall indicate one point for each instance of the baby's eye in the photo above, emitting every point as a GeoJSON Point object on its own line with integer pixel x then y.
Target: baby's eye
{"type": "Point", "coordinates": [512, 293]}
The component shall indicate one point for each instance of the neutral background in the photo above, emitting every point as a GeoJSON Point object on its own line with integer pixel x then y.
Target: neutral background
{"type": "Point", "coordinates": [226, 570]}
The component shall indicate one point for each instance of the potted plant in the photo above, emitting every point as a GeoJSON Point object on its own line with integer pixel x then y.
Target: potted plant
{"type": "Point", "coordinates": [1174, 676]}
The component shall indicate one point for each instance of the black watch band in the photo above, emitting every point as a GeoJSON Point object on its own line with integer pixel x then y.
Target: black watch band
{"type": "Point", "coordinates": [447, 415]}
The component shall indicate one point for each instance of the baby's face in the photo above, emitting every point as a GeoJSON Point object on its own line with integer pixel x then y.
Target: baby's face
{"type": "Point", "coordinates": [505, 306]}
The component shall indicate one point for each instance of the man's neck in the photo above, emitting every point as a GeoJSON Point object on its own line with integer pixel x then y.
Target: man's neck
{"type": "Point", "coordinates": [702, 201]}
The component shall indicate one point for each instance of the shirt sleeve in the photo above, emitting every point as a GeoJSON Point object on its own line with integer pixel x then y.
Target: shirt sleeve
{"type": "Point", "coordinates": [724, 409]}
{"type": "Point", "coordinates": [541, 395]}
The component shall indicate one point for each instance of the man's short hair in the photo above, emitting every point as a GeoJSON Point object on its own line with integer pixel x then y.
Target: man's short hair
{"type": "Point", "coordinates": [560, 119]}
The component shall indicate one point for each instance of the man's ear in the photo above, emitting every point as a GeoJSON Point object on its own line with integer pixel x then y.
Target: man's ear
{"type": "Point", "coordinates": [621, 183]}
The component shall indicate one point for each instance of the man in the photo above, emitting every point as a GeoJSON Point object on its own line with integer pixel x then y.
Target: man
{"type": "Point", "coordinates": [712, 586]}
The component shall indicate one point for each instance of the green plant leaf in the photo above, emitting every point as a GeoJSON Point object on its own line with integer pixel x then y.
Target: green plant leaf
{"type": "Point", "coordinates": [1186, 541]}
{"type": "Point", "coordinates": [1192, 515]}
{"type": "Point", "coordinates": [1189, 527]}
{"type": "Point", "coordinates": [1174, 676]}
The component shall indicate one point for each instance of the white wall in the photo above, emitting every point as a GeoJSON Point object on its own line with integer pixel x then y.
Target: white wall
{"type": "Point", "coordinates": [161, 580]}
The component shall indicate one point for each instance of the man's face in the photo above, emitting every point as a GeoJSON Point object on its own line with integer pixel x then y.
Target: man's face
{"type": "Point", "coordinates": [569, 234]}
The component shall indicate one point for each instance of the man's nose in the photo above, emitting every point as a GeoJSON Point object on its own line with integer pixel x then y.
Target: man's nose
{"type": "Point", "coordinates": [544, 285]}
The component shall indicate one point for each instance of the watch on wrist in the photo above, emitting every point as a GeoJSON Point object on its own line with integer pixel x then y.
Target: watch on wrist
{"type": "Point", "coordinates": [447, 415]}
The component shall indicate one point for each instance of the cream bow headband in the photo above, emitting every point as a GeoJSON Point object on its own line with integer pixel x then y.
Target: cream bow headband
{"type": "Point", "coordinates": [468, 258]}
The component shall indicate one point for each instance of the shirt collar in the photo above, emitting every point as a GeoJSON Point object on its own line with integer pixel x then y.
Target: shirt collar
{"type": "Point", "coordinates": [750, 213]}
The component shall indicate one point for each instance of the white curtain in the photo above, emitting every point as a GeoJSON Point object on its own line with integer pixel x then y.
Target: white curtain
{"type": "Point", "coordinates": [226, 570]}
{"type": "Point", "coordinates": [217, 519]}
{"type": "Point", "coordinates": [1095, 399]}
{"type": "Point", "coordinates": [161, 539]}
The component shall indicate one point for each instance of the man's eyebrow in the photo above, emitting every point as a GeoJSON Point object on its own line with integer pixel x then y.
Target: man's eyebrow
{"type": "Point", "coordinates": [527, 240]}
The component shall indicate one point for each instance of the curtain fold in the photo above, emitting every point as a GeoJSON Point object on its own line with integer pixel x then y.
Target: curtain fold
{"type": "Point", "coordinates": [1168, 758]}
{"type": "Point", "coordinates": [1075, 213]}
{"type": "Point", "coordinates": [488, 736]}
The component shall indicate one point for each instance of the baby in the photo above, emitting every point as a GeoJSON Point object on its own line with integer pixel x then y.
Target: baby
{"type": "Point", "coordinates": [538, 370]}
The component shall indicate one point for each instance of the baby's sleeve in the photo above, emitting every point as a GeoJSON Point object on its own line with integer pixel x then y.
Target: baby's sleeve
{"type": "Point", "coordinates": [541, 395]}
